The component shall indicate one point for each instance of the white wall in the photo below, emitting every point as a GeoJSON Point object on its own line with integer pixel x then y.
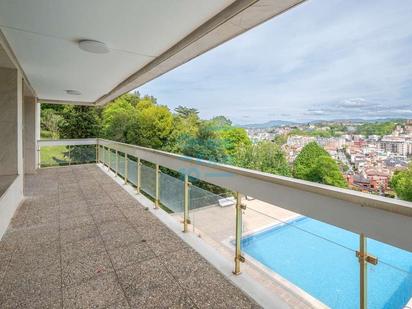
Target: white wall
{"type": "Point", "coordinates": [30, 134]}
{"type": "Point", "coordinates": [11, 141]}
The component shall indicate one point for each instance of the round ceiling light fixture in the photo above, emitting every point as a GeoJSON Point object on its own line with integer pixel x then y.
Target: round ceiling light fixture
{"type": "Point", "coordinates": [93, 46]}
{"type": "Point", "coordinates": [73, 92]}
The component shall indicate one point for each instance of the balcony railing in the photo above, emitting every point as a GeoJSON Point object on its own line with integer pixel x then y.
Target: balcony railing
{"type": "Point", "coordinates": [367, 216]}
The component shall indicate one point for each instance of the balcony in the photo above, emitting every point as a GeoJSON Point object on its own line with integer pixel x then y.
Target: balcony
{"type": "Point", "coordinates": [81, 241]}
{"type": "Point", "coordinates": [109, 234]}
{"type": "Point", "coordinates": [94, 223]}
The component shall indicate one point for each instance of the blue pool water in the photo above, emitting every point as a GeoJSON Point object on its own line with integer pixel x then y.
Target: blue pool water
{"type": "Point", "coordinates": [329, 271]}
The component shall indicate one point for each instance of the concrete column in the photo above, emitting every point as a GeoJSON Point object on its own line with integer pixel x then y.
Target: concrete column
{"type": "Point", "coordinates": [10, 121]}
{"type": "Point", "coordinates": [11, 145]}
{"type": "Point", "coordinates": [30, 134]}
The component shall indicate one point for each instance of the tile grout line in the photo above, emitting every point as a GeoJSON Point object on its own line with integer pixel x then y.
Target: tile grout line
{"type": "Point", "coordinates": [60, 247]}
{"type": "Point", "coordinates": [105, 248]}
{"type": "Point", "coordinates": [154, 253]}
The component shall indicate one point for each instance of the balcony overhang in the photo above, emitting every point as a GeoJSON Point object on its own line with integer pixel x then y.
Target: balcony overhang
{"type": "Point", "coordinates": [146, 39]}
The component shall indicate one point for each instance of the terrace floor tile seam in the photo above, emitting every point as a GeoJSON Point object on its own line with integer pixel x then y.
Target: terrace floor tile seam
{"type": "Point", "coordinates": [107, 252]}
{"type": "Point", "coordinates": [157, 256]}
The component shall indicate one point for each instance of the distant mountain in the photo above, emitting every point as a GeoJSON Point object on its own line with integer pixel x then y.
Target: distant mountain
{"type": "Point", "coordinates": [279, 123]}
{"type": "Point", "coordinates": [269, 124]}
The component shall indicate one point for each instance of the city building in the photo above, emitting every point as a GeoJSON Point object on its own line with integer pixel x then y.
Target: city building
{"type": "Point", "coordinates": [395, 144]}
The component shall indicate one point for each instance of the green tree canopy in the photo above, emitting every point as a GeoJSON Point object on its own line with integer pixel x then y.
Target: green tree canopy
{"type": "Point", "coordinates": [116, 118]}
{"type": "Point", "coordinates": [206, 144]}
{"type": "Point", "coordinates": [315, 164]}
{"type": "Point", "coordinates": [233, 138]}
{"type": "Point", "coordinates": [377, 128]}
{"type": "Point", "coordinates": [50, 121]}
{"type": "Point", "coordinates": [264, 156]}
{"type": "Point", "coordinates": [186, 112]}
{"type": "Point", "coordinates": [219, 122]}
{"type": "Point", "coordinates": [327, 171]}
{"type": "Point", "coordinates": [186, 124]}
{"type": "Point", "coordinates": [401, 183]}
{"type": "Point", "coordinates": [79, 122]}
{"type": "Point", "coordinates": [151, 125]}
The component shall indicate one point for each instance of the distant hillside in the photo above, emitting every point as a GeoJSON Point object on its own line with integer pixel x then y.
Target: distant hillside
{"type": "Point", "coordinates": [279, 123]}
{"type": "Point", "coordinates": [269, 124]}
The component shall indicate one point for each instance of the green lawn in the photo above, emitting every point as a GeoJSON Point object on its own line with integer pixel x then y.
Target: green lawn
{"type": "Point", "coordinates": [53, 156]}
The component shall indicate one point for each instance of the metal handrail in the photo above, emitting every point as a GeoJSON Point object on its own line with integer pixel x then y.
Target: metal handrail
{"type": "Point", "coordinates": [384, 219]}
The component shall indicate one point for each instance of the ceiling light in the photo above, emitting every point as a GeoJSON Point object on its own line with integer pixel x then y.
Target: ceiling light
{"type": "Point", "coordinates": [92, 46]}
{"type": "Point", "coordinates": [73, 92]}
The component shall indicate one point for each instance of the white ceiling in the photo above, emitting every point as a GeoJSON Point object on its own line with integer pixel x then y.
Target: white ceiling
{"type": "Point", "coordinates": [44, 34]}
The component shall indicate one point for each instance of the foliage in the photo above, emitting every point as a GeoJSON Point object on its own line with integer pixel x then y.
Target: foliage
{"type": "Point", "coordinates": [280, 139]}
{"type": "Point", "coordinates": [116, 118]}
{"type": "Point", "coordinates": [150, 125]}
{"type": "Point", "coordinates": [50, 121]}
{"type": "Point", "coordinates": [401, 183]}
{"type": "Point", "coordinates": [142, 121]}
{"type": "Point", "coordinates": [220, 122]}
{"type": "Point", "coordinates": [186, 112]}
{"type": "Point", "coordinates": [306, 159]}
{"type": "Point", "coordinates": [186, 124]}
{"type": "Point", "coordinates": [233, 139]}
{"type": "Point", "coordinates": [327, 171]}
{"type": "Point", "coordinates": [377, 128]}
{"type": "Point", "coordinates": [205, 145]}
{"type": "Point", "coordinates": [315, 133]}
{"type": "Point", "coordinates": [80, 122]}
{"type": "Point", "coordinates": [315, 164]}
{"type": "Point", "coordinates": [263, 156]}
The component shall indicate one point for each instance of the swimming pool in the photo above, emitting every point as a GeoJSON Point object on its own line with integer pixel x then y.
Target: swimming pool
{"type": "Point", "coordinates": [320, 259]}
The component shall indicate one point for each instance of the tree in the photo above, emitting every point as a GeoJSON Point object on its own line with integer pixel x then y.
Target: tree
{"type": "Point", "coordinates": [186, 124]}
{"type": "Point", "coordinates": [205, 145]}
{"type": "Point", "coordinates": [116, 117]}
{"type": "Point", "coordinates": [50, 120]}
{"type": "Point", "coordinates": [327, 171]}
{"type": "Point", "coordinates": [151, 125]}
{"type": "Point", "coordinates": [233, 139]}
{"type": "Point", "coordinates": [264, 156]}
{"type": "Point", "coordinates": [220, 122]}
{"type": "Point", "coordinates": [80, 122]}
{"type": "Point", "coordinates": [377, 128]}
{"type": "Point", "coordinates": [315, 164]}
{"type": "Point", "coordinates": [186, 112]}
{"type": "Point", "coordinates": [401, 183]}
{"type": "Point", "coordinates": [306, 159]}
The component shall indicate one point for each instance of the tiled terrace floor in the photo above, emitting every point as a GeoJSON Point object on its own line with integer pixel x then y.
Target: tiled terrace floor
{"type": "Point", "coordinates": [81, 241]}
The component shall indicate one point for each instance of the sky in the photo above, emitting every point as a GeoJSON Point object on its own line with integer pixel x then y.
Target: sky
{"type": "Point", "coordinates": [325, 59]}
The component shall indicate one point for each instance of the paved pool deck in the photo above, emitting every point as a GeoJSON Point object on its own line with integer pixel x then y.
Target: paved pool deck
{"type": "Point", "coordinates": [81, 241]}
{"type": "Point", "coordinates": [216, 226]}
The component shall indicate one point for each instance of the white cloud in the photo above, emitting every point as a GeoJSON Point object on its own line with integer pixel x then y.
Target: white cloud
{"type": "Point", "coordinates": [325, 58]}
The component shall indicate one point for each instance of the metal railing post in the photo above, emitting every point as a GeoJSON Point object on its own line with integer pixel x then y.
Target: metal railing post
{"type": "Point", "coordinates": [97, 153]}
{"type": "Point", "coordinates": [238, 251]}
{"type": "Point", "coordinates": [38, 156]}
{"type": "Point", "coordinates": [110, 159]}
{"type": "Point", "coordinates": [157, 199]}
{"type": "Point", "coordinates": [70, 157]}
{"type": "Point", "coordinates": [125, 169]}
{"type": "Point", "coordinates": [186, 220]}
{"type": "Point", "coordinates": [364, 258]}
{"type": "Point", "coordinates": [363, 268]}
{"type": "Point", "coordinates": [138, 174]}
{"type": "Point", "coordinates": [117, 163]}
